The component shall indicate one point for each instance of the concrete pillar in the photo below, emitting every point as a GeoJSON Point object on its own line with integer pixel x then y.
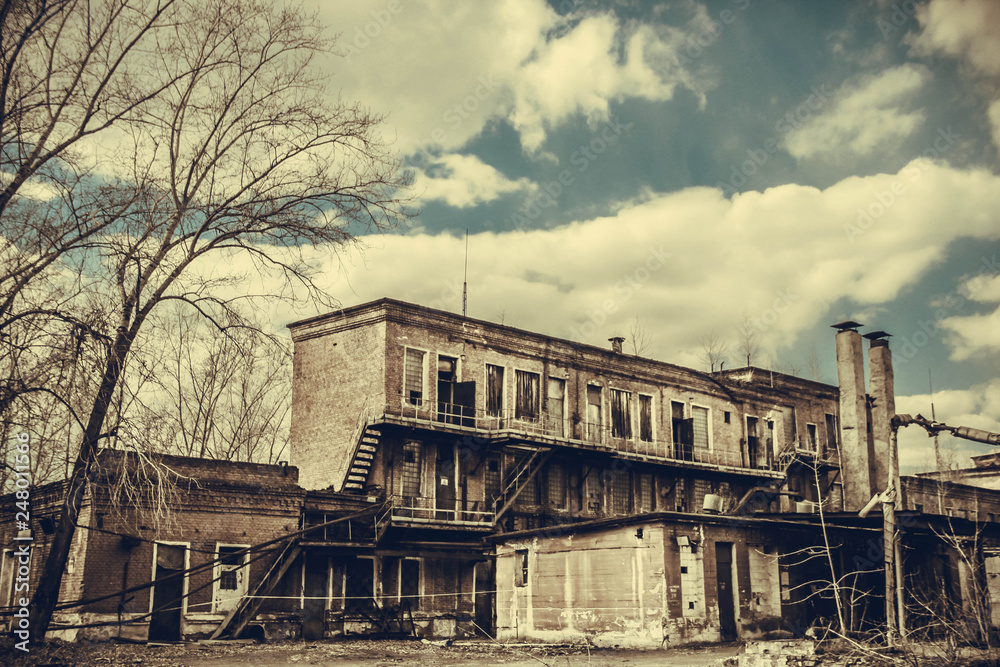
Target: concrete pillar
{"type": "Point", "coordinates": [883, 407]}
{"type": "Point", "coordinates": [856, 455]}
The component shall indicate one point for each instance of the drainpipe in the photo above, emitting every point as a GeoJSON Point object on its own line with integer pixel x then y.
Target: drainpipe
{"type": "Point", "coordinates": [856, 454]}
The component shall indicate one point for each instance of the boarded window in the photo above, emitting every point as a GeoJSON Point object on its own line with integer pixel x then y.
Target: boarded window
{"type": "Point", "coordinates": [621, 414]}
{"type": "Point", "coordinates": [700, 426]}
{"type": "Point", "coordinates": [594, 413]}
{"type": "Point", "coordinates": [646, 418]}
{"type": "Point", "coordinates": [494, 390]}
{"type": "Point", "coordinates": [411, 468]}
{"type": "Point", "coordinates": [556, 405]}
{"type": "Point", "coordinates": [413, 382]}
{"type": "Point", "coordinates": [528, 396]}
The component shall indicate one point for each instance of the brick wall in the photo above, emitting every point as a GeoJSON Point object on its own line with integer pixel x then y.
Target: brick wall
{"type": "Point", "coordinates": [339, 374]}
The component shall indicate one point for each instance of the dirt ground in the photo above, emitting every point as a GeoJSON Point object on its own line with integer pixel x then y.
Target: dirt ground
{"type": "Point", "coordinates": [382, 653]}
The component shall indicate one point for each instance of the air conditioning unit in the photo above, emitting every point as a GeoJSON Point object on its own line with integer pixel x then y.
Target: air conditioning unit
{"type": "Point", "coordinates": [805, 507]}
{"type": "Point", "coordinates": [713, 503]}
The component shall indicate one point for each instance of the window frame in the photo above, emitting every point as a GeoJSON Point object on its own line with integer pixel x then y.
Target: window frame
{"type": "Point", "coordinates": [424, 394]}
{"type": "Point", "coordinates": [486, 390]}
{"type": "Point", "coordinates": [601, 413]}
{"type": "Point", "coordinates": [812, 437]}
{"type": "Point", "coordinates": [628, 423]}
{"type": "Point", "coordinates": [538, 397]}
{"type": "Point", "coordinates": [562, 417]}
{"type": "Point", "coordinates": [708, 425]}
{"type": "Point", "coordinates": [652, 418]}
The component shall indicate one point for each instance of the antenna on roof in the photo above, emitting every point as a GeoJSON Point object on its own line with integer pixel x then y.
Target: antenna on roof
{"type": "Point", "coordinates": [465, 281]}
{"type": "Point", "coordinates": [938, 464]}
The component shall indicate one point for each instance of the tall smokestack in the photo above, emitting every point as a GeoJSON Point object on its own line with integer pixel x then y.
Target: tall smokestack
{"type": "Point", "coordinates": [856, 455]}
{"type": "Point", "coordinates": [884, 403]}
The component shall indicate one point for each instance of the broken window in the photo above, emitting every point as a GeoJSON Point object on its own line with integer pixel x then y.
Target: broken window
{"type": "Point", "coordinates": [753, 442]}
{"type": "Point", "coordinates": [831, 432]}
{"type": "Point", "coordinates": [699, 426]}
{"type": "Point", "coordinates": [556, 486]}
{"type": "Point", "coordinates": [527, 404]}
{"type": "Point", "coordinates": [683, 432]}
{"type": "Point", "coordinates": [411, 469]}
{"type": "Point", "coordinates": [231, 584]}
{"type": "Point", "coordinates": [646, 418]}
{"type": "Point", "coordinates": [593, 413]}
{"type": "Point", "coordinates": [769, 442]}
{"type": "Point", "coordinates": [521, 567]}
{"type": "Point", "coordinates": [447, 377]}
{"type": "Point", "coordinates": [413, 377]}
{"type": "Point", "coordinates": [491, 478]}
{"type": "Point", "coordinates": [621, 414]}
{"type": "Point", "coordinates": [556, 406]}
{"type": "Point", "coordinates": [812, 441]}
{"type": "Point", "coordinates": [494, 390]}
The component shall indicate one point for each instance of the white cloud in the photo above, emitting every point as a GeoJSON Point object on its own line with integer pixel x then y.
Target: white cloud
{"type": "Point", "coordinates": [964, 29]}
{"type": "Point", "coordinates": [866, 115]}
{"type": "Point", "coordinates": [977, 407]}
{"type": "Point", "coordinates": [468, 64]}
{"type": "Point", "coordinates": [970, 335]}
{"type": "Point", "coordinates": [692, 261]}
{"type": "Point", "coordinates": [465, 180]}
{"type": "Point", "coordinates": [994, 117]}
{"type": "Point", "coordinates": [580, 74]}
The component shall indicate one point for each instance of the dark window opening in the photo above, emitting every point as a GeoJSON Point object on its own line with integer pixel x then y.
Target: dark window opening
{"type": "Point", "coordinates": [646, 418]}
{"type": "Point", "coordinates": [621, 414]}
{"type": "Point", "coordinates": [494, 390]}
{"type": "Point", "coordinates": [526, 406]}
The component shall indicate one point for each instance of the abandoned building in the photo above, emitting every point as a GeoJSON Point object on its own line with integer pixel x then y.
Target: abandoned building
{"type": "Point", "coordinates": [454, 477]}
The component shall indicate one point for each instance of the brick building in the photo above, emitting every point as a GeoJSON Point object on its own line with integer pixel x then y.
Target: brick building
{"type": "Point", "coordinates": [455, 477]}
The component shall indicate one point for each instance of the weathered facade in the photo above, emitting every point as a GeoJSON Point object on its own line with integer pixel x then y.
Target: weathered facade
{"type": "Point", "coordinates": [455, 477]}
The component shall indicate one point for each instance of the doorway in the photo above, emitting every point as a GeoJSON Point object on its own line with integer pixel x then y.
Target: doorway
{"type": "Point", "coordinates": [444, 475]}
{"type": "Point", "coordinates": [168, 593]}
{"type": "Point", "coordinates": [726, 593]}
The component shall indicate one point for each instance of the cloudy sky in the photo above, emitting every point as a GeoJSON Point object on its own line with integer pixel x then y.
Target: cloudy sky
{"type": "Point", "coordinates": [699, 166]}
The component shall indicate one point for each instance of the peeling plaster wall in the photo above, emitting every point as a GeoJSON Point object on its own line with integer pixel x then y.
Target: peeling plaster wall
{"type": "Point", "coordinates": [608, 587]}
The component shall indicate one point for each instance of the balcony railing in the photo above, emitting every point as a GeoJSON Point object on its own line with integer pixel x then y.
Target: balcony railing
{"type": "Point", "coordinates": [509, 423]}
{"type": "Point", "coordinates": [426, 509]}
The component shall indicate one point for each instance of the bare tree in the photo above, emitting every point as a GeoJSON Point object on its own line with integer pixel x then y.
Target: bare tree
{"type": "Point", "coordinates": [814, 367]}
{"type": "Point", "coordinates": [219, 396]}
{"type": "Point", "coordinates": [640, 341]}
{"type": "Point", "coordinates": [713, 350]}
{"type": "Point", "coordinates": [749, 339]}
{"type": "Point", "coordinates": [233, 154]}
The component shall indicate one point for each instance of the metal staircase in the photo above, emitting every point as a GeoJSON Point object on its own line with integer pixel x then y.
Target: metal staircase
{"type": "Point", "coordinates": [363, 459]}
{"type": "Point", "coordinates": [518, 479]}
{"type": "Point", "coordinates": [241, 615]}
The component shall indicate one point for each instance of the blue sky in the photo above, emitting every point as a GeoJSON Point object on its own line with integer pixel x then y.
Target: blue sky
{"type": "Point", "coordinates": [699, 167]}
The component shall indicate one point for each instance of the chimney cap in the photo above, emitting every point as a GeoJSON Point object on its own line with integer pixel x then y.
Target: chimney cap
{"type": "Point", "coordinates": [620, 339]}
{"type": "Point", "coordinates": [877, 335]}
{"type": "Point", "coordinates": [849, 325]}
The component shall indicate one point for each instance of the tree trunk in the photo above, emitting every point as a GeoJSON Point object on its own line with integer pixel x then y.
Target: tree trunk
{"type": "Point", "coordinates": [47, 595]}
